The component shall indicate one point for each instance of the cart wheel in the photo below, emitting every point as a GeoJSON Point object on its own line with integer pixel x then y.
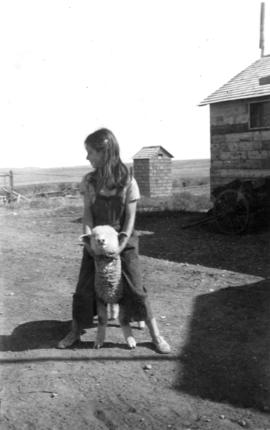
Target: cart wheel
{"type": "Point", "coordinates": [231, 210]}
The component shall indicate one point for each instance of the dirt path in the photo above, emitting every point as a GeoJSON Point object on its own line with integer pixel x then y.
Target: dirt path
{"type": "Point", "coordinates": [216, 320]}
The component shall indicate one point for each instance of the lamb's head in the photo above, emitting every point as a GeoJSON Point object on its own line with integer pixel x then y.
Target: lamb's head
{"type": "Point", "coordinates": [104, 240]}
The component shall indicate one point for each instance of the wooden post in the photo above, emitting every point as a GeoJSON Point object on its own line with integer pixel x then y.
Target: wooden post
{"type": "Point", "coordinates": [11, 183]}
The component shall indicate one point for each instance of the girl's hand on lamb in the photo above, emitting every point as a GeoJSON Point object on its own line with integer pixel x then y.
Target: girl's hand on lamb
{"type": "Point", "coordinates": [85, 241]}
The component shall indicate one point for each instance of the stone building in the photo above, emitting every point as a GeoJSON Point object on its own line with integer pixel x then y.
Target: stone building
{"type": "Point", "coordinates": [240, 126]}
{"type": "Point", "coordinates": [152, 168]}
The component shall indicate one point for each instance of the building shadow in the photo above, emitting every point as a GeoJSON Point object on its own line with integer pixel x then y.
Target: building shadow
{"type": "Point", "coordinates": [182, 237]}
{"type": "Point", "coordinates": [226, 356]}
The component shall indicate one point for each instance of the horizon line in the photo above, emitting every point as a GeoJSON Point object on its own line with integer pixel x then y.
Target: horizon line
{"type": "Point", "coordinates": [87, 166]}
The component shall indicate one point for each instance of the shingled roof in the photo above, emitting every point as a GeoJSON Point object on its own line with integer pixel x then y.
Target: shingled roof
{"type": "Point", "coordinates": [246, 84]}
{"type": "Point", "coordinates": [151, 152]}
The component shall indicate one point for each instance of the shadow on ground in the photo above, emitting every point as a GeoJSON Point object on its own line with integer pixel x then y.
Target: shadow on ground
{"type": "Point", "coordinates": [46, 334]}
{"type": "Point", "coordinates": [34, 335]}
{"type": "Point", "coordinates": [179, 237]}
{"type": "Point", "coordinates": [226, 357]}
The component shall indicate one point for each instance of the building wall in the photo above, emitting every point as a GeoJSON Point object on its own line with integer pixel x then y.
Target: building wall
{"type": "Point", "coordinates": [236, 151]}
{"type": "Point", "coordinates": [160, 177]}
{"type": "Point", "coordinates": [141, 171]}
{"type": "Point", "coordinates": [154, 176]}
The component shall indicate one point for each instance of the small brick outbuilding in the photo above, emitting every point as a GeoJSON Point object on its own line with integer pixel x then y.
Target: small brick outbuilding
{"type": "Point", "coordinates": [240, 126]}
{"type": "Point", "coordinates": [152, 168]}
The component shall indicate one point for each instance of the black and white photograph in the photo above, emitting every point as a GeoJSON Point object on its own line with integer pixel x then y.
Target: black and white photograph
{"type": "Point", "coordinates": [135, 215]}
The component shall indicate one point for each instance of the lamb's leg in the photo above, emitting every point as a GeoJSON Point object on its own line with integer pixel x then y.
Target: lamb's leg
{"type": "Point", "coordinates": [141, 325]}
{"type": "Point", "coordinates": [102, 322]}
{"type": "Point", "coordinates": [113, 309]}
{"type": "Point", "coordinates": [125, 326]}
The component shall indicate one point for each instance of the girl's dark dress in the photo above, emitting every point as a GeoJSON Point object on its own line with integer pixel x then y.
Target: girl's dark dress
{"type": "Point", "coordinates": [110, 210]}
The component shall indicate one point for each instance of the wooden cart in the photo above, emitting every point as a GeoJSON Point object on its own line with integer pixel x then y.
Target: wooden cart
{"type": "Point", "coordinates": [240, 203]}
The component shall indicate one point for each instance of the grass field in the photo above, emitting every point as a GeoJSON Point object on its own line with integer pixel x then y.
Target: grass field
{"type": "Point", "coordinates": [189, 171]}
{"type": "Point", "coordinates": [191, 190]}
{"type": "Point", "coordinates": [35, 175]}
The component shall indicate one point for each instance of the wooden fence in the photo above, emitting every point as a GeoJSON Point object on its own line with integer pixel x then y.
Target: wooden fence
{"type": "Point", "coordinates": [7, 192]}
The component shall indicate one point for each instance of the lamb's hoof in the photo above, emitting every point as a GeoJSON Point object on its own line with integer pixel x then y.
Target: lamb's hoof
{"type": "Point", "coordinates": [131, 342]}
{"type": "Point", "coordinates": [98, 345]}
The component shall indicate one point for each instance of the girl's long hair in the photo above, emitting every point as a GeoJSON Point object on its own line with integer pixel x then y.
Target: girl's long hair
{"type": "Point", "coordinates": [113, 173]}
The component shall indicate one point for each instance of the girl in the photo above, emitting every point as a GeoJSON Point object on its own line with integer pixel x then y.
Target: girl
{"type": "Point", "coordinates": [110, 197]}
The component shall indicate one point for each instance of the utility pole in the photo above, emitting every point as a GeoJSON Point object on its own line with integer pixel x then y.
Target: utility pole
{"type": "Point", "coordinates": [262, 30]}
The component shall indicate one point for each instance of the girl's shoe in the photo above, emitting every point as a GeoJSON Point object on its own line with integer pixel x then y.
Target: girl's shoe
{"type": "Point", "coordinates": [69, 340]}
{"type": "Point", "coordinates": [162, 346]}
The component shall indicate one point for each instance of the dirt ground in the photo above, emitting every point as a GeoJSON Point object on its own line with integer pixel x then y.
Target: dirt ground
{"type": "Point", "coordinates": [210, 294]}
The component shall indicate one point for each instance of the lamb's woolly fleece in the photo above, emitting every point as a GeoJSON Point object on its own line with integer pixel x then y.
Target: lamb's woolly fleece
{"type": "Point", "coordinates": [108, 283]}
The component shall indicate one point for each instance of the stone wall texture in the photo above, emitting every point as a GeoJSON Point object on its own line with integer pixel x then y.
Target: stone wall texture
{"type": "Point", "coordinates": [154, 176]}
{"type": "Point", "coordinates": [236, 150]}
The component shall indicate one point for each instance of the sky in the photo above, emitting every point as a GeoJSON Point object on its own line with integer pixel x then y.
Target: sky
{"type": "Point", "coordinates": [138, 67]}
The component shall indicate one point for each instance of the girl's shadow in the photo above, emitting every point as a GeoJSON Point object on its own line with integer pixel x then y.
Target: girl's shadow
{"type": "Point", "coordinates": [35, 335]}
{"type": "Point", "coordinates": [46, 334]}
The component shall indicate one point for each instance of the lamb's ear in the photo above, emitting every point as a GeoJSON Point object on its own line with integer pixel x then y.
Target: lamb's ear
{"type": "Point", "coordinates": [85, 238]}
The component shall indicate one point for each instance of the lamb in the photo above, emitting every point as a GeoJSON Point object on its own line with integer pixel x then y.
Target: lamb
{"type": "Point", "coordinates": [104, 244]}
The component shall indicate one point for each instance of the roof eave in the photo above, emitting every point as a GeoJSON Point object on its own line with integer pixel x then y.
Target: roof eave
{"type": "Point", "coordinates": [250, 96]}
